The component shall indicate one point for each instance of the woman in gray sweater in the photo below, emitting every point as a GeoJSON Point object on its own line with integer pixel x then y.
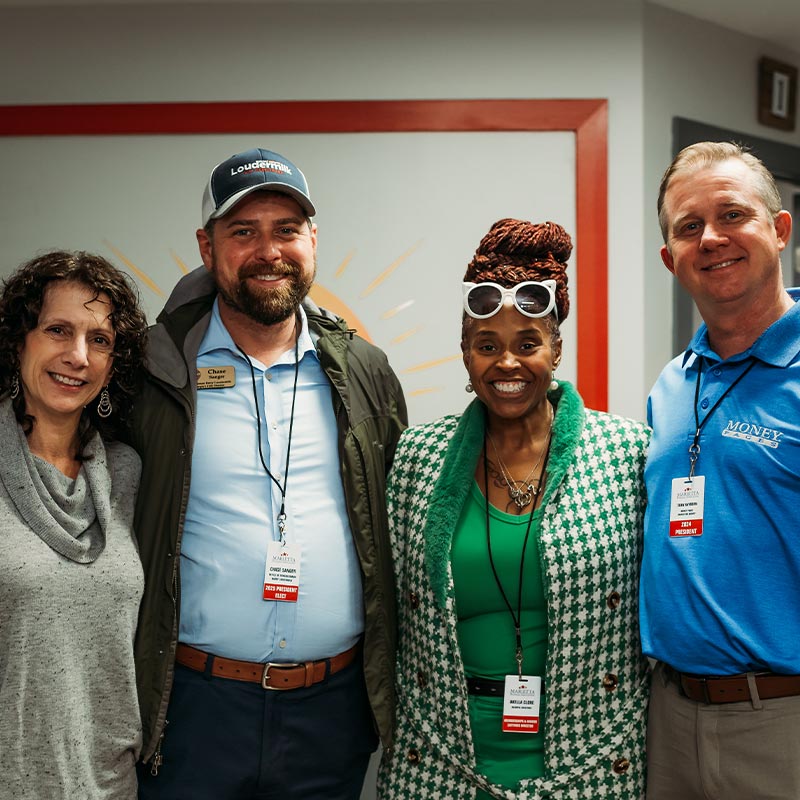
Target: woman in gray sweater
{"type": "Point", "coordinates": [71, 346]}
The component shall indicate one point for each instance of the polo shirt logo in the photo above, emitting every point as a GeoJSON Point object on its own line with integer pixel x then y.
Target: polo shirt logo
{"type": "Point", "coordinates": [751, 432]}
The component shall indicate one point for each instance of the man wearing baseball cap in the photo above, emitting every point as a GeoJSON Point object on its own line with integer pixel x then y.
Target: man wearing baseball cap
{"type": "Point", "coordinates": [265, 648]}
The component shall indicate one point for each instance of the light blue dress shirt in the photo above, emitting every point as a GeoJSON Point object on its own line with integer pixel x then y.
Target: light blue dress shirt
{"type": "Point", "coordinates": [233, 508]}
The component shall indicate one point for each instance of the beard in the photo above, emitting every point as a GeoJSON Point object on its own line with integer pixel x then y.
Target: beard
{"type": "Point", "coordinates": [263, 304]}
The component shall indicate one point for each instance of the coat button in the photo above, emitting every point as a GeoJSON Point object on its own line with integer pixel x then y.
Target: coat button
{"type": "Point", "coordinates": [413, 756]}
{"type": "Point", "coordinates": [613, 600]}
{"type": "Point", "coordinates": [413, 599]}
{"type": "Point", "coordinates": [422, 679]}
{"type": "Point", "coordinates": [610, 681]}
{"type": "Point", "coordinates": [621, 766]}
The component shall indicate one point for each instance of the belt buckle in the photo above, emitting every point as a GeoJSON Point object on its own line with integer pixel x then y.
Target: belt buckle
{"type": "Point", "coordinates": [706, 696]}
{"type": "Point", "coordinates": [701, 679]}
{"type": "Point", "coordinates": [265, 676]}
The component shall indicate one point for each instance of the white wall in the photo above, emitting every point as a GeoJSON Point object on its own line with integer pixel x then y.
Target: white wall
{"type": "Point", "coordinates": [650, 62]}
{"type": "Point", "coordinates": [365, 51]}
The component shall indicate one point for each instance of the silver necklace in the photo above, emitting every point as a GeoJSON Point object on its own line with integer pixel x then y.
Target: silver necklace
{"type": "Point", "coordinates": [522, 492]}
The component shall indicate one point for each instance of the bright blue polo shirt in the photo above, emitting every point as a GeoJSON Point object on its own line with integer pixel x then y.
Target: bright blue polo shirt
{"type": "Point", "coordinates": [233, 506]}
{"type": "Point", "coordinates": [727, 601]}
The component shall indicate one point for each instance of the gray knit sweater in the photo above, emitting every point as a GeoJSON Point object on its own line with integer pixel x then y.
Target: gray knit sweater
{"type": "Point", "coordinates": [70, 586]}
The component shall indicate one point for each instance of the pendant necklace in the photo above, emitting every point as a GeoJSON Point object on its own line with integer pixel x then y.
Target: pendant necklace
{"type": "Point", "coordinates": [522, 492]}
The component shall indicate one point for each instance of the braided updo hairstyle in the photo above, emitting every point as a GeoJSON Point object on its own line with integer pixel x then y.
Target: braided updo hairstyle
{"type": "Point", "coordinates": [514, 251]}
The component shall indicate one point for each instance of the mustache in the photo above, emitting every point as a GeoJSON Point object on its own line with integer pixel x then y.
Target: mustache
{"type": "Point", "coordinates": [281, 268]}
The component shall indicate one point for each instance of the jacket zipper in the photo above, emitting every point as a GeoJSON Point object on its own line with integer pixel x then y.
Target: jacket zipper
{"type": "Point", "coordinates": [158, 759]}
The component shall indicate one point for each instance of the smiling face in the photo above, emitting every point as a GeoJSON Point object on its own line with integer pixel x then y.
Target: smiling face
{"type": "Point", "coordinates": [723, 245]}
{"type": "Point", "coordinates": [510, 359]}
{"type": "Point", "coordinates": [263, 257]}
{"type": "Point", "coordinates": [68, 357]}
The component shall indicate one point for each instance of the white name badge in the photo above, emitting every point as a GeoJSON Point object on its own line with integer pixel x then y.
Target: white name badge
{"type": "Point", "coordinates": [282, 574]}
{"type": "Point", "coordinates": [521, 704]}
{"type": "Point", "coordinates": [686, 506]}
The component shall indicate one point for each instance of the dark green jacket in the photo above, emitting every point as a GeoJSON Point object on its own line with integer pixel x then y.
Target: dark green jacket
{"type": "Point", "coordinates": [370, 414]}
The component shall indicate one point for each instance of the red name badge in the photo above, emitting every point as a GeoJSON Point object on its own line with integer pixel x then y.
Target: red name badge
{"type": "Point", "coordinates": [686, 506]}
{"type": "Point", "coordinates": [280, 591]}
{"type": "Point", "coordinates": [282, 573]}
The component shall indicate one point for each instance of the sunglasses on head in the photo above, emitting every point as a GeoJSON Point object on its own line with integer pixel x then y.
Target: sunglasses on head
{"type": "Point", "coordinates": [531, 298]}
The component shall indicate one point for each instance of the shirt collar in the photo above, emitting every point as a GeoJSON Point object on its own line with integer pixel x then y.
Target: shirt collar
{"type": "Point", "coordinates": [778, 345]}
{"type": "Point", "coordinates": [217, 337]}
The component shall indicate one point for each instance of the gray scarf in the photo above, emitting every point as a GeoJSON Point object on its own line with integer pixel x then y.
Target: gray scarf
{"type": "Point", "coordinates": [70, 516]}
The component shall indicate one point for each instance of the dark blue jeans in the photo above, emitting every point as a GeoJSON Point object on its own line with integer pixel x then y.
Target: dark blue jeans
{"type": "Point", "coordinates": [229, 740]}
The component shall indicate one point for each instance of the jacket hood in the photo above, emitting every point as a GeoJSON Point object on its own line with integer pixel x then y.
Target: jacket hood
{"type": "Point", "coordinates": [198, 283]}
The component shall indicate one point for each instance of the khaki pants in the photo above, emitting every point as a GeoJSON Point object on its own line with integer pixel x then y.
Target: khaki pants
{"type": "Point", "coordinates": [733, 751]}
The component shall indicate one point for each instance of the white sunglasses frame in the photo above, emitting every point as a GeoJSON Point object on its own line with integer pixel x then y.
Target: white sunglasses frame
{"type": "Point", "coordinates": [509, 297]}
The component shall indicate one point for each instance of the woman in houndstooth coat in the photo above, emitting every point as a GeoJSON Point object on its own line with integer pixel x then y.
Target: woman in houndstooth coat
{"type": "Point", "coordinates": [516, 532]}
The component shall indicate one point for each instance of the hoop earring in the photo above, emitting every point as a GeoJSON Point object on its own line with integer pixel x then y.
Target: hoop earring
{"type": "Point", "coordinates": [468, 387]}
{"type": "Point", "coordinates": [104, 407]}
{"type": "Point", "coordinates": [14, 393]}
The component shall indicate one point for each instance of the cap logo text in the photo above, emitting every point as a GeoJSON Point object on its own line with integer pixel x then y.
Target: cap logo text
{"type": "Point", "coordinates": [266, 165]}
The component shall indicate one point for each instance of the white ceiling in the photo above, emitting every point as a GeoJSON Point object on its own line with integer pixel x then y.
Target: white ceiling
{"type": "Point", "coordinates": [775, 21]}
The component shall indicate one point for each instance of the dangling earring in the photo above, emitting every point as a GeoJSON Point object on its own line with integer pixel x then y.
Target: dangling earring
{"type": "Point", "coordinates": [104, 407]}
{"type": "Point", "coordinates": [553, 382]}
{"type": "Point", "coordinates": [468, 387]}
{"type": "Point", "coordinates": [14, 386]}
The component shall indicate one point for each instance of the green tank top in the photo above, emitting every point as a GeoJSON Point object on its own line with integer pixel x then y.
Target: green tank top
{"type": "Point", "coordinates": [486, 631]}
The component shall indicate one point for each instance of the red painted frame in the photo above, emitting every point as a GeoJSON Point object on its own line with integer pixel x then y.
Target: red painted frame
{"type": "Point", "coordinates": [587, 118]}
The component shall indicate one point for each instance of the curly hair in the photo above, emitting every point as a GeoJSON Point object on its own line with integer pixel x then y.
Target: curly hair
{"type": "Point", "coordinates": [21, 303]}
{"type": "Point", "coordinates": [514, 251]}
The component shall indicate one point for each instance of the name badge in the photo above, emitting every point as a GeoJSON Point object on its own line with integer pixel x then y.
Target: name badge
{"type": "Point", "coordinates": [521, 699]}
{"type": "Point", "coordinates": [686, 506]}
{"type": "Point", "coordinates": [282, 573]}
{"type": "Point", "coordinates": [215, 377]}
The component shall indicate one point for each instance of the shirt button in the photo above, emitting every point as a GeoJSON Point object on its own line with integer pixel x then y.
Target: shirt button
{"type": "Point", "coordinates": [613, 600]}
{"type": "Point", "coordinates": [704, 403]}
{"type": "Point", "coordinates": [268, 376]}
{"type": "Point", "coordinates": [717, 371]}
{"type": "Point", "coordinates": [413, 599]}
{"type": "Point", "coordinates": [413, 756]}
{"type": "Point", "coordinates": [621, 766]}
{"type": "Point", "coordinates": [422, 679]}
{"type": "Point", "coordinates": [610, 681]}
{"type": "Point", "coordinates": [282, 643]}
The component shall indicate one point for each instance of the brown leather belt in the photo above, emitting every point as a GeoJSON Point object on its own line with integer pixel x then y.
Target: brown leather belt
{"type": "Point", "coordinates": [734, 688]}
{"type": "Point", "coordinates": [270, 676]}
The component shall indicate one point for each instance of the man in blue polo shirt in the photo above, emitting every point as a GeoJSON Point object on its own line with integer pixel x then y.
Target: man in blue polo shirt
{"type": "Point", "coordinates": [720, 583]}
{"type": "Point", "coordinates": [265, 647]}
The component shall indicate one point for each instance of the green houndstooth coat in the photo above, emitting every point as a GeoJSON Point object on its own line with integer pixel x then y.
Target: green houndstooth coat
{"type": "Point", "coordinates": [590, 545]}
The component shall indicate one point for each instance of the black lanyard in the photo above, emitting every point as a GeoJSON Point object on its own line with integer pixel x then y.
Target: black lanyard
{"type": "Point", "coordinates": [282, 489]}
{"type": "Point", "coordinates": [517, 618]}
{"type": "Point", "coordinates": [694, 447]}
